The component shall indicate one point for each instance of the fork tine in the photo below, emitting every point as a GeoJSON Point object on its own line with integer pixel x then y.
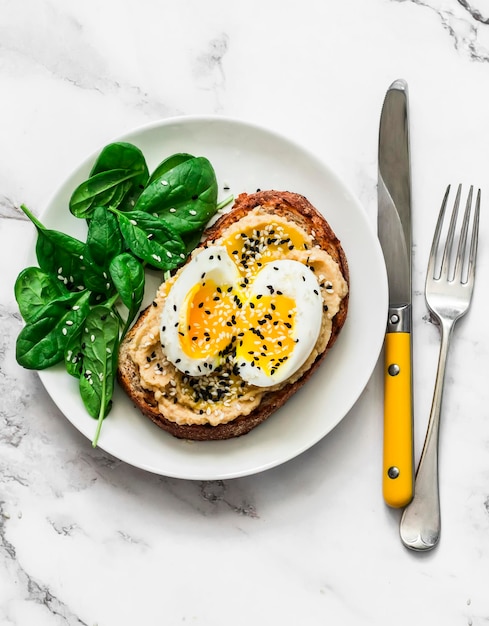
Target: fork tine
{"type": "Point", "coordinates": [462, 243]}
{"type": "Point", "coordinates": [451, 232]}
{"type": "Point", "coordinates": [474, 240]}
{"type": "Point", "coordinates": [436, 237]}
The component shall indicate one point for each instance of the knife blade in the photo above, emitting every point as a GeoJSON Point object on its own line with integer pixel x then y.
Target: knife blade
{"type": "Point", "coordinates": [394, 231]}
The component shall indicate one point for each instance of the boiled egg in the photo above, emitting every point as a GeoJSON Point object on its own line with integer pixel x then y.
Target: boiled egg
{"type": "Point", "coordinates": [266, 325]}
{"type": "Point", "coordinates": [200, 312]}
{"type": "Point", "coordinates": [283, 315]}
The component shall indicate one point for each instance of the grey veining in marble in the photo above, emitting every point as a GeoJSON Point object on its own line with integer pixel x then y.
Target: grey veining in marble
{"type": "Point", "coordinates": [86, 539]}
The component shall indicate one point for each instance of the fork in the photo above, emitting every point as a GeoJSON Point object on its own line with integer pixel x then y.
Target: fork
{"type": "Point", "coordinates": [448, 294]}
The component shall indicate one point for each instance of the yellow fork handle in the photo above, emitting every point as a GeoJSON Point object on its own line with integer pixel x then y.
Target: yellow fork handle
{"type": "Point", "coordinates": [398, 470]}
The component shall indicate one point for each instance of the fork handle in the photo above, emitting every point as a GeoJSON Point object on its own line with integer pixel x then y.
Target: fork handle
{"type": "Point", "coordinates": [421, 521]}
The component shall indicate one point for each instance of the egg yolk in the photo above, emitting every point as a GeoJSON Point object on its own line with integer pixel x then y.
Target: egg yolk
{"type": "Point", "coordinates": [252, 248]}
{"type": "Point", "coordinates": [208, 319]}
{"type": "Point", "coordinates": [268, 341]}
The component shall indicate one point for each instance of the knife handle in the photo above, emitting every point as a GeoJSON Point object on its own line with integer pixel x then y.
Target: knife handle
{"type": "Point", "coordinates": [398, 464]}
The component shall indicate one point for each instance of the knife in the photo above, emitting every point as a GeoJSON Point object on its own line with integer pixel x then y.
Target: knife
{"type": "Point", "coordinates": [394, 231]}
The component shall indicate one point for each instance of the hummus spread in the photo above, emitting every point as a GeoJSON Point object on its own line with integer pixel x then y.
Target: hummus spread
{"type": "Point", "coordinates": [222, 396]}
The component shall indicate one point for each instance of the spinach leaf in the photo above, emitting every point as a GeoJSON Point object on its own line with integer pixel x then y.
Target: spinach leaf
{"type": "Point", "coordinates": [100, 343]}
{"type": "Point", "coordinates": [59, 254]}
{"type": "Point", "coordinates": [104, 239]}
{"type": "Point", "coordinates": [62, 256]}
{"type": "Point", "coordinates": [41, 343]}
{"type": "Point", "coordinates": [185, 197]}
{"type": "Point", "coordinates": [123, 155]}
{"type": "Point", "coordinates": [150, 239]}
{"type": "Point", "coordinates": [129, 279]}
{"type": "Point", "coordinates": [73, 355]}
{"type": "Point", "coordinates": [168, 164]}
{"type": "Point", "coordinates": [34, 289]}
{"type": "Point", "coordinates": [102, 189]}
{"type": "Point", "coordinates": [104, 242]}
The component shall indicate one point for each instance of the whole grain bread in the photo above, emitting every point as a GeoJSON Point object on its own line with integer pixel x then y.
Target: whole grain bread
{"type": "Point", "coordinates": [293, 207]}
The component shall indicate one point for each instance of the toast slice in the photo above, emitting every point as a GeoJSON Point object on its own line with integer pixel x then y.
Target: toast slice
{"type": "Point", "coordinates": [294, 208]}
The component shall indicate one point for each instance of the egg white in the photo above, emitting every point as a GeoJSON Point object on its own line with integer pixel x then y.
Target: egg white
{"type": "Point", "coordinates": [213, 263]}
{"type": "Point", "coordinates": [298, 282]}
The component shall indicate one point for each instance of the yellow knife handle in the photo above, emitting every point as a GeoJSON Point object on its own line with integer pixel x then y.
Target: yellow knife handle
{"type": "Point", "coordinates": [398, 469]}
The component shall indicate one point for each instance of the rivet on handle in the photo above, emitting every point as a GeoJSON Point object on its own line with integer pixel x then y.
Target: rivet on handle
{"type": "Point", "coordinates": [393, 472]}
{"type": "Point", "coordinates": [393, 369]}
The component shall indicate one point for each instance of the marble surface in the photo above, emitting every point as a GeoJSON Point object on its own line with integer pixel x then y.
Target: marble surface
{"type": "Point", "coordinates": [88, 540]}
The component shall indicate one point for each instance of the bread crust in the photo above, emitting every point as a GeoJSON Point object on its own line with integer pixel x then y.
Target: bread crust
{"type": "Point", "coordinates": [294, 207]}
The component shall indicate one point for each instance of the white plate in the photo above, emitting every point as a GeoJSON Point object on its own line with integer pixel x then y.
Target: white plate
{"type": "Point", "coordinates": [246, 158]}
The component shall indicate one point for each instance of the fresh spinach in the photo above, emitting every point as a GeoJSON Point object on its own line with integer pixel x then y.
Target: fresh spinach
{"type": "Point", "coordinates": [152, 240]}
{"type": "Point", "coordinates": [104, 239]}
{"type": "Point", "coordinates": [129, 279]}
{"type": "Point", "coordinates": [103, 189]}
{"type": "Point", "coordinates": [185, 196]}
{"type": "Point", "coordinates": [59, 254]}
{"type": "Point", "coordinates": [34, 289]}
{"type": "Point", "coordinates": [69, 302]}
{"type": "Point", "coordinates": [42, 341]}
{"type": "Point", "coordinates": [168, 164]}
{"type": "Point", "coordinates": [123, 155]}
{"type": "Point", "coordinates": [99, 348]}
{"type": "Point", "coordinates": [73, 355]}
{"type": "Point", "coordinates": [104, 242]}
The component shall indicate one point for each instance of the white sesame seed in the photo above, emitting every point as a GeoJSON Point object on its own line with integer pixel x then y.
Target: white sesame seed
{"type": "Point", "coordinates": [164, 183]}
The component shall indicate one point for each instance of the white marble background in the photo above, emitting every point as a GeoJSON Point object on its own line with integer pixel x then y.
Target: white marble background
{"type": "Point", "coordinates": [88, 540]}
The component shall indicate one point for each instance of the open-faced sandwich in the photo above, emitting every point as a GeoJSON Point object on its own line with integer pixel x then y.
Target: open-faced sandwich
{"type": "Point", "coordinates": [243, 324]}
